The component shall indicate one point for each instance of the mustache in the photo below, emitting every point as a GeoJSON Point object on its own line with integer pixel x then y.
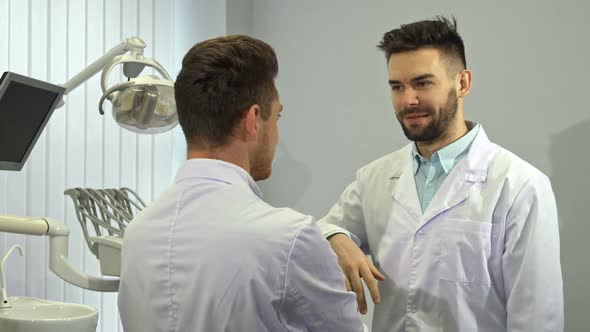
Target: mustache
{"type": "Point", "coordinates": [412, 110]}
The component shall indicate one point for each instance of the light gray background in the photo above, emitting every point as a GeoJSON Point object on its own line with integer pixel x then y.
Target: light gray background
{"type": "Point", "coordinates": [530, 86]}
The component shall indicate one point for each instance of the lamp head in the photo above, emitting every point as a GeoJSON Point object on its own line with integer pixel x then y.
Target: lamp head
{"type": "Point", "coordinates": [144, 104]}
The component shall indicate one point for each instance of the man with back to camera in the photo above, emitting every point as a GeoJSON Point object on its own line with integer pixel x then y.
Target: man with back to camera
{"type": "Point", "coordinates": [465, 231]}
{"type": "Point", "coordinates": [209, 254]}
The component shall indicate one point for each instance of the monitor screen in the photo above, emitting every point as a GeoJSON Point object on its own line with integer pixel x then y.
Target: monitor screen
{"type": "Point", "coordinates": [26, 104]}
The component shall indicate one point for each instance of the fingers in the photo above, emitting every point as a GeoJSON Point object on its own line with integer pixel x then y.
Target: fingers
{"type": "Point", "coordinates": [347, 281]}
{"type": "Point", "coordinates": [371, 282]}
{"type": "Point", "coordinates": [376, 272]}
{"type": "Point", "coordinates": [356, 265]}
{"type": "Point", "coordinates": [357, 287]}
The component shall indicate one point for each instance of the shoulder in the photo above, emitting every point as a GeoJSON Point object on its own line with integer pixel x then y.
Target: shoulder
{"type": "Point", "coordinates": [511, 178]}
{"type": "Point", "coordinates": [386, 166]}
{"type": "Point", "coordinates": [508, 165]}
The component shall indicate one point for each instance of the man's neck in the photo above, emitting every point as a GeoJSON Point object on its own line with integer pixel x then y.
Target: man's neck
{"type": "Point", "coordinates": [234, 154]}
{"type": "Point", "coordinates": [428, 148]}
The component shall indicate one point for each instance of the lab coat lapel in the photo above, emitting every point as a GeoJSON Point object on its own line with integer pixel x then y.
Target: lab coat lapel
{"type": "Point", "coordinates": [404, 190]}
{"type": "Point", "coordinates": [453, 191]}
{"type": "Point", "coordinates": [472, 169]}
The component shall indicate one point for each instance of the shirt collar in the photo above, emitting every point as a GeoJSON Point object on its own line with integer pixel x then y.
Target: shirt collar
{"type": "Point", "coordinates": [219, 170]}
{"type": "Point", "coordinates": [448, 155]}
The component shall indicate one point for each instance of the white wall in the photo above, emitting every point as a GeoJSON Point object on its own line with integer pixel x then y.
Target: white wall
{"type": "Point", "coordinates": [53, 40]}
{"type": "Point", "coordinates": [240, 17]}
{"type": "Point", "coordinates": [530, 62]}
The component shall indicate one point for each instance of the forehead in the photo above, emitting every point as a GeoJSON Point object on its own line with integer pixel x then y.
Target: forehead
{"type": "Point", "coordinates": [407, 65]}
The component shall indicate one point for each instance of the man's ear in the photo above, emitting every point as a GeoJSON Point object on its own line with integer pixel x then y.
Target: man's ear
{"type": "Point", "coordinates": [249, 123]}
{"type": "Point", "coordinates": [465, 78]}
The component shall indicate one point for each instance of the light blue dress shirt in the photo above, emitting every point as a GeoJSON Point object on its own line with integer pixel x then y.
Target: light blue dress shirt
{"type": "Point", "coordinates": [210, 255]}
{"type": "Point", "coordinates": [430, 174]}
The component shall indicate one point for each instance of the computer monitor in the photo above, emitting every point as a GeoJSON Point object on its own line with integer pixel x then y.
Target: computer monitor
{"type": "Point", "coordinates": [26, 104]}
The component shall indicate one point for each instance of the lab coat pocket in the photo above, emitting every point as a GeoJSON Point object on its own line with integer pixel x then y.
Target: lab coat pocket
{"type": "Point", "coordinates": [465, 251]}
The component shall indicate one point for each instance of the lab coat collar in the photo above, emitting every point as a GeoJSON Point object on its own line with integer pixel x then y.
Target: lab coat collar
{"type": "Point", "coordinates": [473, 168]}
{"type": "Point", "coordinates": [219, 170]}
{"type": "Point", "coordinates": [477, 159]}
{"type": "Point", "coordinates": [448, 154]}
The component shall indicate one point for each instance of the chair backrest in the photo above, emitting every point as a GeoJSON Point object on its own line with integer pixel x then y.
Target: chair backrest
{"type": "Point", "coordinates": [104, 212]}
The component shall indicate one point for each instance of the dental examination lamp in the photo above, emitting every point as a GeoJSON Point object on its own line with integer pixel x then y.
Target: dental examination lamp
{"type": "Point", "coordinates": [142, 104]}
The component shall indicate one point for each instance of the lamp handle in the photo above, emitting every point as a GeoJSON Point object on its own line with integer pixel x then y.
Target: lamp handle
{"type": "Point", "coordinates": [109, 92]}
{"type": "Point", "coordinates": [130, 59]}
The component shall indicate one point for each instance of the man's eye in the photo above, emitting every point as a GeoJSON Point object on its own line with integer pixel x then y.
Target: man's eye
{"type": "Point", "coordinates": [423, 84]}
{"type": "Point", "coordinates": [396, 88]}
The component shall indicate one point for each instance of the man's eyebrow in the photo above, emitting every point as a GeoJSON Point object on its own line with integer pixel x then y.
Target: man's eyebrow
{"type": "Point", "coordinates": [422, 77]}
{"type": "Point", "coordinates": [415, 79]}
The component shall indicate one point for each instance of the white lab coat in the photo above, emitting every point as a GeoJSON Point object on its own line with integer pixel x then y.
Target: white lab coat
{"type": "Point", "coordinates": [209, 255]}
{"type": "Point", "coordinates": [484, 256]}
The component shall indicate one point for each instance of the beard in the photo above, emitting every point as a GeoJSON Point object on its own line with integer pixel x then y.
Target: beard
{"type": "Point", "coordinates": [261, 159]}
{"type": "Point", "coordinates": [437, 126]}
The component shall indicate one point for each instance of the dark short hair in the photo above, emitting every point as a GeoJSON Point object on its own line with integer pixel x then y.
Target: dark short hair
{"type": "Point", "coordinates": [439, 33]}
{"type": "Point", "coordinates": [220, 79]}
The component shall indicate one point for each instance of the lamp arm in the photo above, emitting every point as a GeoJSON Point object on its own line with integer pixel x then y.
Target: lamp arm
{"type": "Point", "coordinates": [133, 44]}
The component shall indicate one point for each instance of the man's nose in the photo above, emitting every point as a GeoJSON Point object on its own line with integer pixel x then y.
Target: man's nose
{"type": "Point", "coordinates": [409, 98]}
